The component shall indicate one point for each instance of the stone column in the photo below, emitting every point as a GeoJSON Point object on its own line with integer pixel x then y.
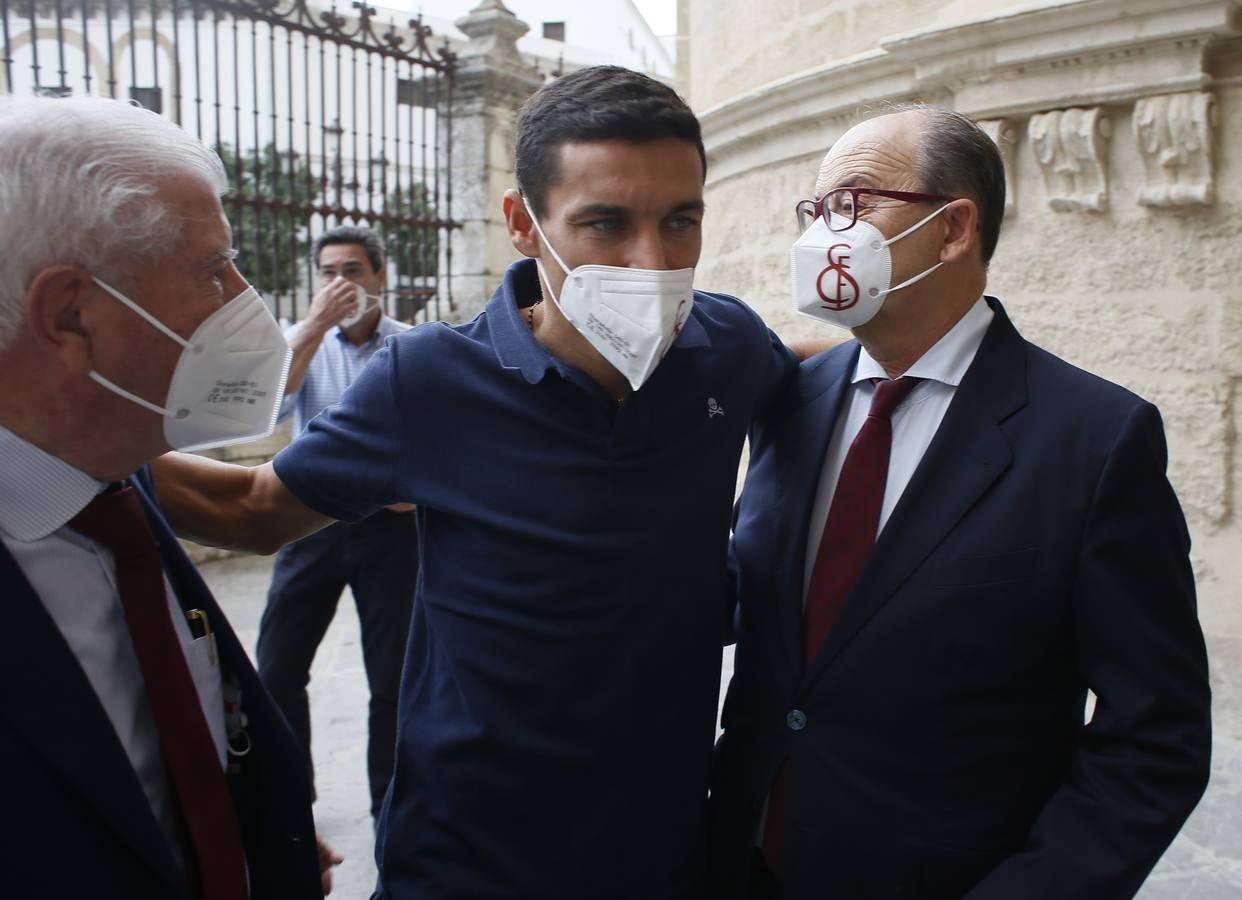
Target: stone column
{"type": "Point", "coordinates": [491, 82]}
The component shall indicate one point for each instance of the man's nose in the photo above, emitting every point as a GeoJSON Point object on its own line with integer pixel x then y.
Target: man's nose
{"type": "Point", "coordinates": [647, 250]}
{"type": "Point", "coordinates": [234, 282]}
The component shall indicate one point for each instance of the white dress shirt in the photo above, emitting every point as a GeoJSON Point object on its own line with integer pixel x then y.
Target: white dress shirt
{"type": "Point", "coordinates": [76, 580]}
{"type": "Point", "coordinates": [914, 421]}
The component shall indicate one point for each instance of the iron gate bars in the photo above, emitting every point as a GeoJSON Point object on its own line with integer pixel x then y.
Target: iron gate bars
{"type": "Point", "coordinates": [321, 119]}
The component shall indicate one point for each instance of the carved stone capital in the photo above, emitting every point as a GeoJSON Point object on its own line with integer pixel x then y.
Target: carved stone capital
{"type": "Point", "coordinates": [493, 33]}
{"type": "Point", "coordinates": [1174, 136]}
{"type": "Point", "coordinates": [1071, 147]}
{"type": "Point", "coordinates": [1004, 133]}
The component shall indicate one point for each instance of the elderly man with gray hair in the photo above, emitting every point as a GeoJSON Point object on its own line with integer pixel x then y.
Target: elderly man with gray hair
{"type": "Point", "coordinates": [141, 756]}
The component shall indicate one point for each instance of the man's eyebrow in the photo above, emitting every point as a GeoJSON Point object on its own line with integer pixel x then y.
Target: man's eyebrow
{"type": "Point", "coordinates": [690, 206]}
{"type": "Point", "coordinates": [229, 255]}
{"type": "Point", "coordinates": [849, 181]}
{"type": "Point", "coordinates": [599, 209]}
{"type": "Point", "coordinates": [610, 209]}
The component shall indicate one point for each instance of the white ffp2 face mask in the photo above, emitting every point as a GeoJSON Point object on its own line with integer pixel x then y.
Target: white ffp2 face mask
{"type": "Point", "coordinates": [229, 379]}
{"type": "Point", "coordinates": [366, 303]}
{"type": "Point", "coordinates": [630, 316]}
{"type": "Point", "coordinates": [843, 277]}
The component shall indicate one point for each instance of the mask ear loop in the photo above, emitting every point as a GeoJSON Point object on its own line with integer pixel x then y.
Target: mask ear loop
{"type": "Point", "coordinates": [117, 389]}
{"type": "Point", "coordinates": [913, 228]}
{"type": "Point", "coordinates": [142, 312]}
{"type": "Point", "coordinates": [168, 332]}
{"type": "Point", "coordinates": [556, 256]}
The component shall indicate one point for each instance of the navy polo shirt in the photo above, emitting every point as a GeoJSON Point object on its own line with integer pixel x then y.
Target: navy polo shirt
{"type": "Point", "coordinates": [559, 697]}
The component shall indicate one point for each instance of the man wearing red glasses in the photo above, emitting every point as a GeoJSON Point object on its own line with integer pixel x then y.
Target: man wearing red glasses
{"type": "Point", "coordinates": [949, 541]}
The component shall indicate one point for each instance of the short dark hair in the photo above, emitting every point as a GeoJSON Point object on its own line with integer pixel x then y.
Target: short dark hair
{"type": "Point", "coordinates": [957, 158]}
{"type": "Point", "coordinates": [364, 237]}
{"type": "Point", "coordinates": [598, 103]}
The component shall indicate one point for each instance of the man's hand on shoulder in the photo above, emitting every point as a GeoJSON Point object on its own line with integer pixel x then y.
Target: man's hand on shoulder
{"type": "Point", "coordinates": [804, 350]}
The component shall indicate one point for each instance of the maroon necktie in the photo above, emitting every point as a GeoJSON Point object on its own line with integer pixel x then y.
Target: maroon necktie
{"type": "Point", "coordinates": [116, 520]}
{"type": "Point", "coordinates": [849, 534]}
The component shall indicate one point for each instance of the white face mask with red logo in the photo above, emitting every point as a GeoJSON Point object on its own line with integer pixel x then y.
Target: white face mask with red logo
{"type": "Point", "coordinates": [842, 277]}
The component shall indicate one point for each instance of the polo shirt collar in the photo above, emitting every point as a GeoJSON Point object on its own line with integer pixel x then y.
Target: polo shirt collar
{"type": "Point", "coordinates": [41, 492]}
{"type": "Point", "coordinates": [517, 348]}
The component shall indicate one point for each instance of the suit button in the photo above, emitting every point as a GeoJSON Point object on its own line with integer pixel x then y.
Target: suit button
{"type": "Point", "coordinates": [795, 719]}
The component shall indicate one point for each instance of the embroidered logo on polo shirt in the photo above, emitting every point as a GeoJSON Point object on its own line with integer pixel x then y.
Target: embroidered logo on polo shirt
{"type": "Point", "coordinates": [713, 408]}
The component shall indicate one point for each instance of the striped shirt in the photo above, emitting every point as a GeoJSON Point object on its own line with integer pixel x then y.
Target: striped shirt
{"type": "Point", "coordinates": [334, 367]}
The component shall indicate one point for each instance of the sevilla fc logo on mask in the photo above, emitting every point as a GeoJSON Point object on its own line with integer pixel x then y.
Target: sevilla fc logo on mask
{"type": "Point", "coordinates": [836, 287]}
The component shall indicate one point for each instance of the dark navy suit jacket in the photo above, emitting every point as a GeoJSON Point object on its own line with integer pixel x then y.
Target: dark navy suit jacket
{"type": "Point", "coordinates": [1037, 551]}
{"type": "Point", "coordinates": [77, 821]}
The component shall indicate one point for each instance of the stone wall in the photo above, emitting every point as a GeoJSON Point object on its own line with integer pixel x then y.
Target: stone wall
{"type": "Point", "coordinates": [492, 82]}
{"type": "Point", "coordinates": [1121, 121]}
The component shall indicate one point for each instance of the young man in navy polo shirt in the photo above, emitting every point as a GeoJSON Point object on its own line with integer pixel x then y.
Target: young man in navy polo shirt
{"type": "Point", "coordinates": [573, 454]}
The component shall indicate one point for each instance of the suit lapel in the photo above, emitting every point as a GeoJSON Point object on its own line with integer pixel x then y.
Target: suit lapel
{"type": "Point", "coordinates": [801, 447]}
{"type": "Point", "coordinates": [192, 592]}
{"type": "Point", "coordinates": [190, 589]}
{"type": "Point", "coordinates": [51, 704]}
{"type": "Point", "coordinates": [967, 455]}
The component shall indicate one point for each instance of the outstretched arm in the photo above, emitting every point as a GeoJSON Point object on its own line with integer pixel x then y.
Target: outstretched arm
{"type": "Point", "coordinates": [226, 505]}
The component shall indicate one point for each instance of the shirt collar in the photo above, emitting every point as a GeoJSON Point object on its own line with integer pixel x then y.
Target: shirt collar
{"type": "Point", "coordinates": [518, 349]}
{"type": "Point", "coordinates": [948, 359]}
{"type": "Point", "coordinates": [383, 328]}
{"type": "Point", "coordinates": [41, 492]}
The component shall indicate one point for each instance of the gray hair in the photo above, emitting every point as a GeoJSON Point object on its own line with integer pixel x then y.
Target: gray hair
{"type": "Point", "coordinates": [360, 235]}
{"type": "Point", "coordinates": [80, 184]}
{"type": "Point", "coordinates": [957, 158]}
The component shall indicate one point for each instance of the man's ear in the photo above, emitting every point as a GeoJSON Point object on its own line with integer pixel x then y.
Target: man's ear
{"type": "Point", "coordinates": [962, 233]}
{"type": "Point", "coordinates": [59, 318]}
{"type": "Point", "coordinates": [521, 227]}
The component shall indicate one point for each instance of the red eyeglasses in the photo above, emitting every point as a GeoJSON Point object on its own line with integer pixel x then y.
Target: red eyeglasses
{"type": "Point", "coordinates": [844, 203]}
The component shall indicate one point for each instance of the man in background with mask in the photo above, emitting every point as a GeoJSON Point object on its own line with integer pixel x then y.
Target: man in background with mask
{"type": "Point", "coordinates": [377, 556]}
{"type": "Point", "coordinates": [906, 717]}
{"type": "Point", "coordinates": [142, 757]}
{"type": "Point", "coordinates": [573, 454]}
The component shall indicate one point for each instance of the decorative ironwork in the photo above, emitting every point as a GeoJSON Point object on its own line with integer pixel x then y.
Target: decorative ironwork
{"type": "Point", "coordinates": [322, 117]}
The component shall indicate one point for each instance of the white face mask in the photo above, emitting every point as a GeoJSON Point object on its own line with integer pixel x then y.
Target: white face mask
{"type": "Point", "coordinates": [842, 277]}
{"type": "Point", "coordinates": [631, 316]}
{"type": "Point", "coordinates": [366, 303]}
{"type": "Point", "coordinates": [229, 379]}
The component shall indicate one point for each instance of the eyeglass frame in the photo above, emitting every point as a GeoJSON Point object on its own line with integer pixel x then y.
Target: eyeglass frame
{"type": "Point", "coordinates": [817, 206]}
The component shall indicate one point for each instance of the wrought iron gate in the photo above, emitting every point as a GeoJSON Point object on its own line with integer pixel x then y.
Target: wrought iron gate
{"type": "Point", "coordinates": [319, 119]}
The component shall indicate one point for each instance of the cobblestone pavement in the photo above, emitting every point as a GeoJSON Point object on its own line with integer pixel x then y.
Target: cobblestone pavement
{"type": "Point", "coordinates": [1205, 863]}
